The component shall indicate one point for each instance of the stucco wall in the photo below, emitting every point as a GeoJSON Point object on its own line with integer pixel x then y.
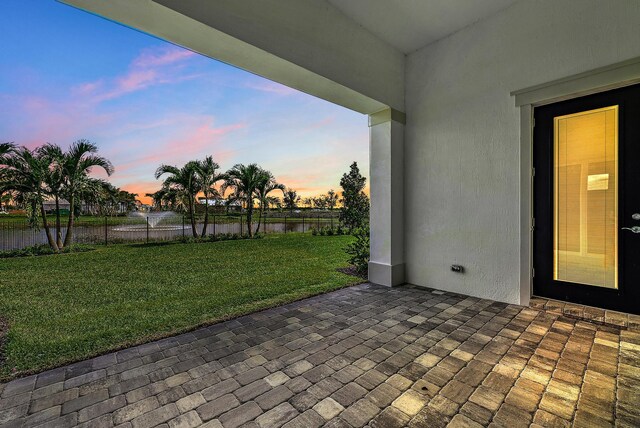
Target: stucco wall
{"type": "Point", "coordinates": [462, 138]}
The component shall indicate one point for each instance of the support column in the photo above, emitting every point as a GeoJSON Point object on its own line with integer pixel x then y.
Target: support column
{"type": "Point", "coordinates": [386, 160]}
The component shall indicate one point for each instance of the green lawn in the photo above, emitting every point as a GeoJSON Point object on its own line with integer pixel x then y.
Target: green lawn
{"type": "Point", "coordinates": [74, 306]}
{"type": "Point", "coordinates": [21, 220]}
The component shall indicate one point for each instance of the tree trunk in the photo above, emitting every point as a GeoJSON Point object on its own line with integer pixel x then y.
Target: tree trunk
{"type": "Point", "coordinates": [193, 218]}
{"type": "Point", "coordinates": [68, 239]}
{"type": "Point", "coordinates": [206, 215]}
{"type": "Point", "coordinates": [45, 223]}
{"type": "Point", "coordinates": [249, 217]}
{"type": "Point", "coordinates": [260, 218]}
{"type": "Point", "coordinates": [58, 225]}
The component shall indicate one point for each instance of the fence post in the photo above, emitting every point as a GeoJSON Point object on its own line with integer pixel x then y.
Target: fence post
{"type": "Point", "coordinates": [214, 225]}
{"type": "Point", "coordinates": [285, 224]}
{"type": "Point", "coordinates": [303, 224]}
{"type": "Point", "coordinates": [147, 230]}
{"type": "Point", "coordinates": [332, 222]}
{"type": "Point", "coordinates": [318, 221]}
{"type": "Point", "coordinates": [106, 236]}
{"type": "Point", "coordinates": [183, 226]}
{"type": "Point", "coordinates": [241, 234]}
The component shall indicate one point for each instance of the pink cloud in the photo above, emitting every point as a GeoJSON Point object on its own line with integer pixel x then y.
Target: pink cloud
{"type": "Point", "coordinates": [136, 79]}
{"type": "Point", "coordinates": [154, 66]}
{"type": "Point", "coordinates": [194, 137]}
{"type": "Point", "coordinates": [87, 88]}
{"type": "Point", "coordinates": [163, 56]}
{"type": "Point", "coordinates": [272, 87]}
{"type": "Point", "coordinates": [49, 120]}
{"type": "Point", "coordinates": [324, 123]}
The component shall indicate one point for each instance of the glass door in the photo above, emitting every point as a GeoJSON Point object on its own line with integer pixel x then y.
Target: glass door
{"type": "Point", "coordinates": [586, 197]}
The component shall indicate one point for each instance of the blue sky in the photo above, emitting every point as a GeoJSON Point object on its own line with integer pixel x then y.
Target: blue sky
{"type": "Point", "coordinates": [66, 75]}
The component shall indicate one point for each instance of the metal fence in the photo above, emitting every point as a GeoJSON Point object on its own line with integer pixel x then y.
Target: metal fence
{"type": "Point", "coordinates": [17, 234]}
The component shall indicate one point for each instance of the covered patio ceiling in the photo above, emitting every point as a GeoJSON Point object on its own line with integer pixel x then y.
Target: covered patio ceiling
{"type": "Point", "coordinates": [408, 25]}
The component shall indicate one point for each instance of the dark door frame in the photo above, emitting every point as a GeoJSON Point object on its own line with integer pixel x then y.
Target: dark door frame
{"type": "Point", "coordinates": [625, 298]}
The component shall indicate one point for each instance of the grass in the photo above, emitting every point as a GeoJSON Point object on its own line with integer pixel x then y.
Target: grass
{"type": "Point", "coordinates": [20, 221]}
{"type": "Point", "coordinates": [70, 307]}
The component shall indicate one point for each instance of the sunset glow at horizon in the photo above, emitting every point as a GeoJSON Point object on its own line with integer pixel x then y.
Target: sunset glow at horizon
{"type": "Point", "coordinates": [67, 75]}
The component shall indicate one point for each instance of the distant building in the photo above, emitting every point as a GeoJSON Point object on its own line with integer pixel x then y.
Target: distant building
{"type": "Point", "coordinates": [85, 208]}
{"type": "Point", "coordinates": [220, 203]}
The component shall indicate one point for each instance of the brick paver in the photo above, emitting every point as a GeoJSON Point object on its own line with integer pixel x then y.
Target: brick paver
{"type": "Point", "coordinates": [363, 356]}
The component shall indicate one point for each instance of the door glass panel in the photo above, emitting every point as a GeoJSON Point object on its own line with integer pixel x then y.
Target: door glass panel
{"type": "Point", "coordinates": [586, 197]}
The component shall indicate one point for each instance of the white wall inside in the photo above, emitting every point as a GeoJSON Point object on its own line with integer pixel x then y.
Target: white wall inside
{"type": "Point", "coordinates": [463, 134]}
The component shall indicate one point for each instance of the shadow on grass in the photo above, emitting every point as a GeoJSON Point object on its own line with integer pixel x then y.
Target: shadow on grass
{"type": "Point", "coordinates": [154, 244]}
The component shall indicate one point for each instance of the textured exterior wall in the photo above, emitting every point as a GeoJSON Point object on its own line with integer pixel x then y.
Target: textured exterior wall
{"type": "Point", "coordinates": [462, 138]}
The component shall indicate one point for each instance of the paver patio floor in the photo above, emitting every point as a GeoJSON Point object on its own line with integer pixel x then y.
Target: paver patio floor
{"type": "Point", "coordinates": [361, 356]}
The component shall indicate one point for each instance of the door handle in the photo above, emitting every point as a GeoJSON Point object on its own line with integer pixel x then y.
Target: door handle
{"type": "Point", "coordinates": [634, 229]}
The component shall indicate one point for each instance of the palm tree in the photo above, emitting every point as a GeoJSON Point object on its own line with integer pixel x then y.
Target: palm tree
{"type": "Point", "coordinates": [55, 181]}
{"type": "Point", "coordinates": [244, 180]}
{"type": "Point", "coordinates": [174, 200]}
{"type": "Point", "coordinates": [25, 173]}
{"type": "Point", "coordinates": [5, 150]}
{"type": "Point", "coordinates": [162, 198]}
{"type": "Point", "coordinates": [95, 192]}
{"type": "Point", "coordinates": [126, 200]}
{"type": "Point", "coordinates": [184, 181]}
{"type": "Point", "coordinates": [78, 162]}
{"type": "Point", "coordinates": [331, 199]}
{"type": "Point", "coordinates": [206, 172]}
{"type": "Point", "coordinates": [308, 202]}
{"type": "Point", "coordinates": [48, 172]}
{"type": "Point", "coordinates": [230, 200]}
{"type": "Point", "coordinates": [266, 184]}
{"type": "Point", "coordinates": [320, 202]}
{"type": "Point", "coordinates": [291, 199]}
{"type": "Point", "coordinates": [275, 202]}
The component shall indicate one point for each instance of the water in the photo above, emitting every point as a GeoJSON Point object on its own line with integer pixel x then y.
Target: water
{"type": "Point", "coordinates": [166, 226]}
{"type": "Point", "coordinates": [154, 218]}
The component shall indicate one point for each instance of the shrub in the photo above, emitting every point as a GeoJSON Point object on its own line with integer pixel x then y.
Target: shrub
{"type": "Point", "coordinates": [358, 250]}
{"type": "Point", "coordinates": [314, 231]}
{"type": "Point", "coordinates": [43, 250]}
{"type": "Point", "coordinates": [354, 212]}
{"type": "Point", "coordinates": [339, 230]}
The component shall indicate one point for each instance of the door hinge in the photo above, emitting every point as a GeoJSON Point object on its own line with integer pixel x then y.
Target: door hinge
{"type": "Point", "coordinates": [533, 272]}
{"type": "Point", "coordinates": [534, 122]}
{"type": "Point", "coordinates": [533, 172]}
{"type": "Point", "coordinates": [533, 223]}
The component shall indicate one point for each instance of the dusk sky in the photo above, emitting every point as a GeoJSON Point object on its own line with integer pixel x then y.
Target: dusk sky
{"type": "Point", "coordinates": [66, 75]}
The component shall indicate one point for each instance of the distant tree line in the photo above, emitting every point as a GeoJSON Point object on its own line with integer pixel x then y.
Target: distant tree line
{"type": "Point", "coordinates": [253, 188]}
{"type": "Point", "coordinates": [32, 177]}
